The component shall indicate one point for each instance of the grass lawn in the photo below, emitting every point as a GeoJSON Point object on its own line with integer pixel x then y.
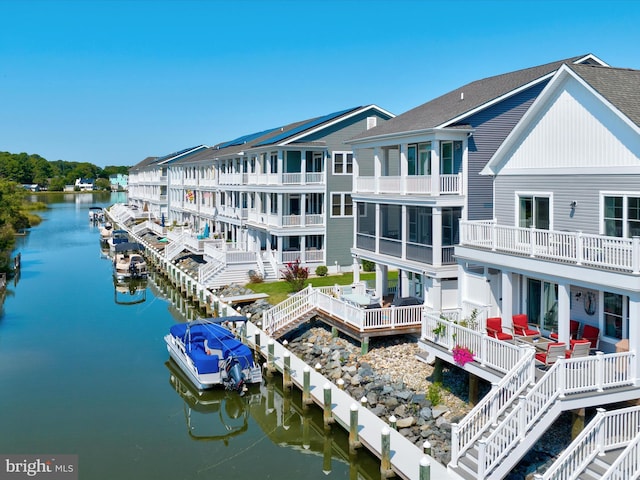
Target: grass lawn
{"type": "Point", "coordinates": [279, 291]}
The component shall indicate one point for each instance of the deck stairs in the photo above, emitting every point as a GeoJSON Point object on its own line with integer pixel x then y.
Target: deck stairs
{"type": "Point", "coordinates": [608, 448]}
{"type": "Point", "coordinates": [175, 247]}
{"type": "Point", "coordinates": [498, 432]}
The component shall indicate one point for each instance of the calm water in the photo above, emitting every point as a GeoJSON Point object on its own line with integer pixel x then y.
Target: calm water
{"type": "Point", "coordinates": [81, 373]}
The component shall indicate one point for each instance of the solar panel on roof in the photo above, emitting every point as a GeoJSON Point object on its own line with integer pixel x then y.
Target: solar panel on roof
{"type": "Point", "coordinates": [245, 138]}
{"type": "Point", "coordinates": [175, 154]}
{"type": "Point", "coordinates": [303, 127]}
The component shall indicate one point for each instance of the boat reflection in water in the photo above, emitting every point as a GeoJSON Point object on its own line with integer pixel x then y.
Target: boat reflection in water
{"type": "Point", "coordinates": [129, 291]}
{"type": "Point", "coordinates": [220, 414]}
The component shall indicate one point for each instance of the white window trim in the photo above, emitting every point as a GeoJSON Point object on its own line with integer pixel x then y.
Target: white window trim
{"type": "Point", "coordinates": [342, 205]}
{"type": "Point", "coordinates": [520, 194]}
{"type": "Point", "coordinates": [625, 218]}
{"type": "Point", "coordinates": [344, 164]}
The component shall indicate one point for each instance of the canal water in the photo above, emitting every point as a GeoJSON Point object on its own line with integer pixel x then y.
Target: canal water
{"type": "Point", "coordinates": [84, 370]}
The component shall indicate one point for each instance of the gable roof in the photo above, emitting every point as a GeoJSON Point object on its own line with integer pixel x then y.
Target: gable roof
{"type": "Point", "coordinates": [451, 108]}
{"type": "Point", "coordinates": [618, 88]}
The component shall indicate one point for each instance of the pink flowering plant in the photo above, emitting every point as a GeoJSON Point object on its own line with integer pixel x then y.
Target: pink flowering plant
{"type": "Point", "coordinates": [462, 355]}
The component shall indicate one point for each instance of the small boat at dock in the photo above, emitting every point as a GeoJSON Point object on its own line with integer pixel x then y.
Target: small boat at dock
{"type": "Point", "coordinates": [96, 214]}
{"type": "Point", "coordinates": [128, 261]}
{"type": "Point", "coordinates": [210, 355]}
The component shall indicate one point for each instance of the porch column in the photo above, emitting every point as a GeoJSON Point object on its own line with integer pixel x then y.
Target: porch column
{"type": "Point", "coordinates": [356, 170]}
{"type": "Point", "coordinates": [303, 167]}
{"type": "Point", "coordinates": [280, 210]}
{"type": "Point", "coordinates": [280, 165]}
{"type": "Point", "coordinates": [303, 249]}
{"type": "Point", "coordinates": [377, 167]}
{"type": "Point", "coordinates": [634, 331]}
{"type": "Point", "coordinates": [564, 312]}
{"type": "Point", "coordinates": [356, 270]}
{"type": "Point", "coordinates": [435, 167]}
{"type": "Point", "coordinates": [506, 310]}
{"type": "Point", "coordinates": [378, 232]}
{"type": "Point", "coordinates": [404, 168]}
{"type": "Point", "coordinates": [381, 279]}
{"type": "Point", "coordinates": [404, 283]}
{"type": "Point", "coordinates": [435, 294]}
{"type": "Point", "coordinates": [303, 209]}
{"type": "Point", "coordinates": [403, 230]}
{"type": "Point", "coordinates": [436, 243]}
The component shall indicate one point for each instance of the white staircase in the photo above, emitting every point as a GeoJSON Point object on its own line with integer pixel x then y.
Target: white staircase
{"type": "Point", "coordinates": [495, 435]}
{"type": "Point", "coordinates": [608, 448]}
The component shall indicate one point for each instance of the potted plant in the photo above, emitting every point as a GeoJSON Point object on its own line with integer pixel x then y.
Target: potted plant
{"type": "Point", "coordinates": [440, 329]}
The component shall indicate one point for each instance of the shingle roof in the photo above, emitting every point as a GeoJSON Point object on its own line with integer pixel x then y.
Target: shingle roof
{"type": "Point", "coordinates": [620, 86]}
{"type": "Point", "coordinates": [147, 161]}
{"type": "Point", "coordinates": [465, 99]}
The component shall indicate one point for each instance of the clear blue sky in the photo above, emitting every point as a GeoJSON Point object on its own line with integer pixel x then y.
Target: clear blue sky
{"type": "Point", "coordinates": [112, 82]}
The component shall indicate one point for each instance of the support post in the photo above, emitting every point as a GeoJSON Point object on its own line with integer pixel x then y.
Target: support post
{"type": "Point", "coordinates": [577, 422]}
{"type": "Point", "coordinates": [328, 419]}
{"type": "Point", "coordinates": [425, 469]}
{"type": "Point", "coordinates": [437, 371]}
{"type": "Point", "coordinates": [473, 389]}
{"type": "Point", "coordinates": [354, 439]}
{"type": "Point", "coordinates": [270, 357]}
{"type": "Point", "coordinates": [286, 371]}
{"type": "Point", "coordinates": [385, 453]}
{"type": "Point", "coordinates": [306, 386]}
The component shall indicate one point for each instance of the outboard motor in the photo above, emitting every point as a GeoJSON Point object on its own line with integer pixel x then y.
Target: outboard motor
{"type": "Point", "coordinates": [235, 378]}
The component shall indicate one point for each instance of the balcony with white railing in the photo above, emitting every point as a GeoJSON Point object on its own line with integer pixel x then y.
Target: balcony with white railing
{"type": "Point", "coordinates": [302, 220]}
{"type": "Point", "coordinates": [286, 178]}
{"type": "Point", "coordinates": [450, 184]}
{"type": "Point", "coordinates": [576, 248]}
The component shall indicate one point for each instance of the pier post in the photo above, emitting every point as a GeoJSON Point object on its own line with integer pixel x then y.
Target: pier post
{"type": "Point", "coordinates": [364, 346]}
{"type": "Point", "coordinates": [340, 383]}
{"type": "Point", "coordinates": [257, 341]}
{"type": "Point", "coordinates": [306, 386]}
{"type": "Point", "coordinates": [270, 354]}
{"type": "Point", "coordinates": [473, 389]}
{"type": "Point", "coordinates": [334, 332]}
{"type": "Point", "coordinates": [354, 439]}
{"type": "Point", "coordinates": [328, 419]}
{"type": "Point", "coordinates": [425, 469]}
{"type": "Point", "coordinates": [437, 371]}
{"type": "Point", "coordinates": [286, 371]}
{"type": "Point", "coordinates": [577, 422]}
{"type": "Point", "coordinates": [326, 454]}
{"type": "Point", "coordinates": [393, 422]}
{"type": "Point", "coordinates": [385, 453]}
{"type": "Point", "coordinates": [426, 447]}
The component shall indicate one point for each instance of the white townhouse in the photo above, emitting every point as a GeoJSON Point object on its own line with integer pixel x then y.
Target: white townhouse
{"type": "Point", "coordinates": [149, 182]}
{"type": "Point", "coordinates": [564, 242]}
{"type": "Point", "coordinates": [424, 179]}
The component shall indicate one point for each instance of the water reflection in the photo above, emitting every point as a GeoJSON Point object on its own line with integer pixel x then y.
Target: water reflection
{"type": "Point", "coordinates": [130, 291]}
{"type": "Point", "coordinates": [220, 415]}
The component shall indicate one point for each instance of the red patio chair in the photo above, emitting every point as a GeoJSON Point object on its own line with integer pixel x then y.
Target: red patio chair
{"type": "Point", "coordinates": [574, 329]}
{"type": "Point", "coordinates": [523, 328]}
{"type": "Point", "coordinates": [554, 352]}
{"type": "Point", "coordinates": [591, 333]}
{"type": "Point", "coordinates": [494, 329]}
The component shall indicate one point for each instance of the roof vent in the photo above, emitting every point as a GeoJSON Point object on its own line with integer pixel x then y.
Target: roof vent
{"type": "Point", "coordinates": [461, 95]}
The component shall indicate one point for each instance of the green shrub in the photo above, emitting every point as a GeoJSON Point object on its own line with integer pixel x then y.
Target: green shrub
{"type": "Point", "coordinates": [322, 271]}
{"type": "Point", "coordinates": [434, 394]}
{"type": "Point", "coordinates": [368, 266]}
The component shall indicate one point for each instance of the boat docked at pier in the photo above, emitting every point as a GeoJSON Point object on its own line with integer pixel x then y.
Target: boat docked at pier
{"type": "Point", "coordinates": [128, 261]}
{"type": "Point", "coordinates": [210, 355]}
{"type": "Point", "coordinates": [96, 214]}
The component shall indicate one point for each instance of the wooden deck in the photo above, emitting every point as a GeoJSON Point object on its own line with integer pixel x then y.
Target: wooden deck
{"type": "Point", "coordinates": [405, 456]}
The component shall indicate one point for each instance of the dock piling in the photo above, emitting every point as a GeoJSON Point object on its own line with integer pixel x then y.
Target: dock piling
{"type": "Point", "coordinates": [327, 417]}
{"type": "Point", "coordinates": [354, 439]}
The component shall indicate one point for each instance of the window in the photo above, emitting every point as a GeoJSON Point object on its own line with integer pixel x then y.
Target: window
{"type": "Point", "coordinates": [341, 205]}
{"type": "Point", "coordinates": [614, 315]}
{"type": "Point", "coordinates": [273, 197]}
{"type": "Point", "coordinates": [534, 212]}
{"type": "Point", "coordinates": [342, 163]}
{"type": "Point", "coordinates": [366, 223]}
{"type": "Point", "coordinates": [450, 223]}
{"type": "Point", "coordinates": [273, 162]}
{"type": "Point", "coordinates": [390, 221]}
{"type": "Point", "coordinates": [446, 158]}
{"type": "Point", "coordinates": [621, 216]}
{"type": "Point", "coordinates": [419, 223]}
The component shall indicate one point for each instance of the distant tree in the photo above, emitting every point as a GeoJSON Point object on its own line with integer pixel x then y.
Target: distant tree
{"type": "Point", "coordinates": [57, 184]}
{"type": "Point", "coordinates": [103, 184]}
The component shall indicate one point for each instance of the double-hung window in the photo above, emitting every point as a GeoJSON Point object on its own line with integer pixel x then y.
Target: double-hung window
{"type": "Point", "coordinates": [341, 205]}
{"type": "Point", "coordinates": [342, 163]}
{"type": "Point", "coordinates": [621, 215]}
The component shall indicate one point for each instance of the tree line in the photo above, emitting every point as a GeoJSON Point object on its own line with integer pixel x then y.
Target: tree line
{"type": "Point", "coordinates": [24, 168]}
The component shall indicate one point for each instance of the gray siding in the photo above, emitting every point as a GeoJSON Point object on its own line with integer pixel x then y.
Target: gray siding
{"type": "Point", "coordinates": [492, 127]}
{"type": "Point", "coordinates": [339, 231]}
{"type": "Point", "coordinates": [584, 189]}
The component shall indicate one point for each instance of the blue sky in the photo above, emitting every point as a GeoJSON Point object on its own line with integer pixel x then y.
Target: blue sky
{"type": "Point", "coordinates": [112, 82]}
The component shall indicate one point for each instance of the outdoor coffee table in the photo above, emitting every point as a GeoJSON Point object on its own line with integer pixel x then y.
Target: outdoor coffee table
{"type": "Point", "coordinates": [539, 342]}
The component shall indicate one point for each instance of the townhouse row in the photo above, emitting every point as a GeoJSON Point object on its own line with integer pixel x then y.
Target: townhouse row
{"type": "Point", "coordinates": [517, 193]}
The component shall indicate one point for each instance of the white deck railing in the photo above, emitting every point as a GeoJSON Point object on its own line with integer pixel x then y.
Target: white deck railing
{"type": "Point", "coordinates": [410, 184]}
{"type": "Point", "coordinates": [607, 431]}
{"type": "Point", "coordinates": [359, 318]}
{"type": "Point", "coordinates": [566, 247]}
{"type": "Point", "coordinates": [566, 376]}
{"type": "Point", "coordinates": [485, 414]}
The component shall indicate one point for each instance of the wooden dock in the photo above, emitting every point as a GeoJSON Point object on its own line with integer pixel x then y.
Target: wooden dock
{"type": "Point", "coordinates": [405, 457]}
